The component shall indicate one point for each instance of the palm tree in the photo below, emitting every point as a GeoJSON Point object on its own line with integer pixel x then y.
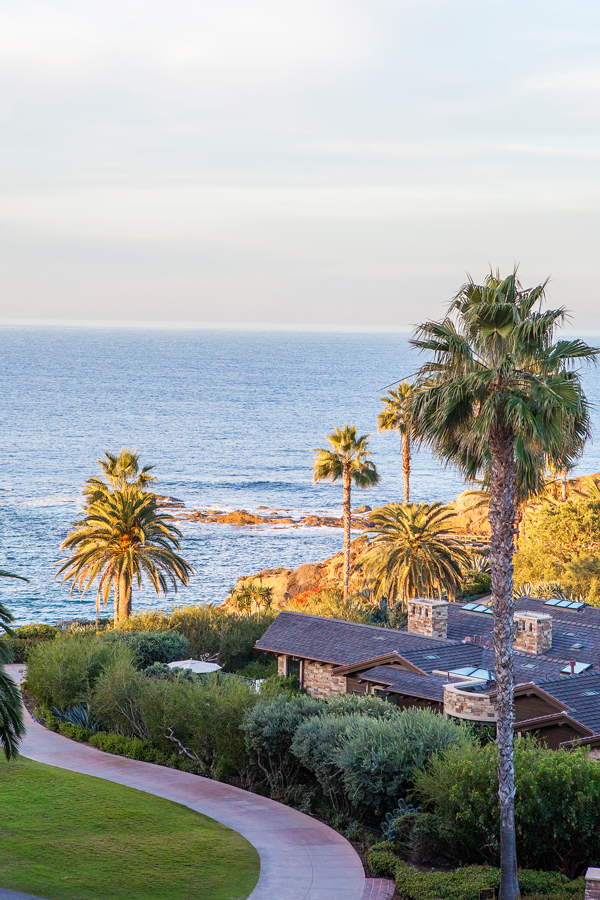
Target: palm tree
{"type": "Point", "coordinates": [413, 553]}
{"type": "Point", "coordinates": [396, 417]}
{"type": "Point", "coordinates": [349, 460]}
{"type": "Point", "coordinates": [122, 537]}
{"type": "Point", "coordinates": [12, 727]}
{"type": "Point", "coordinates": [498, 393]}
{"type": "Point", "coordinates": [120, 472]}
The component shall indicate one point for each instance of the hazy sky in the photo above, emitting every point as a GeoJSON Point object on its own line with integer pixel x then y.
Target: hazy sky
{"type": "Point", "coordinates": [327, 162]}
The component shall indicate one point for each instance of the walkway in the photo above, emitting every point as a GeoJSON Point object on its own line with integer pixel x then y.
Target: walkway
{"type": "Point", "coordinates": [300, 858]}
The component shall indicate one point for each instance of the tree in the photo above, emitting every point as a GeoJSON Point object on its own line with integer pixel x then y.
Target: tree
{"type": "Point", "coordinates": [348, 459]}
{"type": "Point", "coordinates": [413, 554]}
{"type": "Point", "coordinates": [396, 417]}
{"type": "Point", "coordinates": [498, 392]}
{"type": "Point", "coordinates": [123, 537]}
{"type": "Point", "coordinates": [12, 727]}
{"type": "Point", "coordinates": [252, 594]}
{"type": "Point", "coordinates": [120, 472]}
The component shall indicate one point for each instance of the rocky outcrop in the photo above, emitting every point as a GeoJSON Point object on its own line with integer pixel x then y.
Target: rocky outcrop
{"type": "Point", "coordinates": [289, 583]}
{"type": "Point", "coordinates": [243, 517]}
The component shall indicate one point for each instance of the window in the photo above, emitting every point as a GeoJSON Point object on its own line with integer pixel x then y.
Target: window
{"type": "Point", "coordinates": [293, 667]}
{"type": "Point", "coordinates": [385, 695]}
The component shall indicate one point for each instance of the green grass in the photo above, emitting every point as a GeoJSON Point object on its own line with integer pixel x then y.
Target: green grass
{"type": "Point", "coordinates": [72, 837]}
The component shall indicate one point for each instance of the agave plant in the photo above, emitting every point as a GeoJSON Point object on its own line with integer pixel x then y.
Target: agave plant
{"type": "Point", "coordinates": [76, 715]}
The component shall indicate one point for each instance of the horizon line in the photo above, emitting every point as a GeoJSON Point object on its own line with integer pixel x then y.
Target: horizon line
{"type": "Point", "coordinates": [187, 325]}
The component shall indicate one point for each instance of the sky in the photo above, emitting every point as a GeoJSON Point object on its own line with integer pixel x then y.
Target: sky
{"type": "Point", "coordinates": [329, 163]}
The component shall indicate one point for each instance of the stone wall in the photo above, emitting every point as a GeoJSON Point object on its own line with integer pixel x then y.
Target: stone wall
{"type": "Point", "coordinates": [319, 680]}
{"type": "Point", "coordinates": [592, 884]}
{"type": "Point", "coordinates": [465, 704]}
{"type": "Point", "coordinates": [533, 632]}
{"type": "Point", "coordinates": [428, 617]}
{"type": "Point", "coordinates": [281, 665]}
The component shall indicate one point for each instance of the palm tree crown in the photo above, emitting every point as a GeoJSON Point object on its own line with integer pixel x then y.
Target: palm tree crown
{"type": "Point", "coordinates": [12, 727]}
{"type": "Point", "coordinates": [123, 537]}
{"type": "Point", "coordinates": [497, 398]}
{"type": "Point", "coordinates": [395, 416]}
{"type": "Point", "coordinates": [413, 553]}
{"type": "Point", "coordinates": [349, 459]}
{"type": "Point", "coordinates": [120, 472]}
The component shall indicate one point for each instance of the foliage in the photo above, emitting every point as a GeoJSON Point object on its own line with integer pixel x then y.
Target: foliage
{"type": "Point", "coordinates": [36, 631]}
{"type": "Point", "coordinates": [467, 882]}
{"type": "Point", "coordinates": [76, 715]}
{"type": "Point", "coordinates": [120, 472]}
{"type": "Point", "coordinates": [11, 717]}
{"type": "Point", "coordinates": [558, 794]}
{"type": "Point", "coordinates": [395, 416]}
{"type": "Point", "coordinates": [562, 543]}
{"type": "Point", "coordinates": [378, 757]}
{"type": "Point", "coordinates": [413, 553]}
{"type": "Point", "coordinates": [123, 537]}
{"type": "Point", "coordinates": [63, 672]}
{"type": "Point", "coordinates": [149, 647]}
{"type": "Point", "coordinates": [209, 630]}
{"type": "Point", "coordinates": [329, 602]}
{"type": "Point", "coordinates": [476, 584]}
{"type": "Point", "coordinates": [200, 719]}
{"type": "Point", "coordinates": [252, 596]}
{"type": "Point", "coordinates": [67, 836]}
{"type": "Point", "coordinates": [269, 731]}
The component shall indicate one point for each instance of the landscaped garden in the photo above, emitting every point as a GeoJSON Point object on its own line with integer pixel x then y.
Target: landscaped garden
{"type": "Point", "coordinates": [73, 837]}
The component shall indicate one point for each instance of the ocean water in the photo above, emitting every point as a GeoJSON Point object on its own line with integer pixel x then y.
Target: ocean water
{"type": "Point", "coordinates": [228, 418]}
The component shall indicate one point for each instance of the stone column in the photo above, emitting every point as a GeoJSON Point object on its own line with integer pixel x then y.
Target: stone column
{"type": "Point", "coordinates": [592, 884]}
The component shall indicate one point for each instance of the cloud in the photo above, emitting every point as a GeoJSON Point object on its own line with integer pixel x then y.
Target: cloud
{"type": "Point", "coordinates": [228, 49]}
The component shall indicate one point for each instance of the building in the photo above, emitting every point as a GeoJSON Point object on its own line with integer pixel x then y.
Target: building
{"type": "Point", "coordinates": [444, 660]}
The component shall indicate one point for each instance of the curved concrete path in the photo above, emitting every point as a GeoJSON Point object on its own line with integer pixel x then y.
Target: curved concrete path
{"type": "Point", "coordinates": [300, 858]}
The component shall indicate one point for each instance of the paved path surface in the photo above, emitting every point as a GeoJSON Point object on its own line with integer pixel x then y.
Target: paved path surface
{"type": "Point", "coordinates": [300, 858]}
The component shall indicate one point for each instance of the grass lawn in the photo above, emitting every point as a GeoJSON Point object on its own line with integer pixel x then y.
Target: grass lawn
{"type": "Point", "coordinates": [72, 837]}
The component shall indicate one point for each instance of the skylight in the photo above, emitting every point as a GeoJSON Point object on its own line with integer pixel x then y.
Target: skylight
{"type": "Point", "coordinates": [432, 656]}
{"type": "Point", "coordinates": [564, 604]}
{"type": "Point", "coordinates": [577, 668]}
{"type": "Point", "coordinates": [472, 672]}
{"type": "Point", "coordinates": [477, 607]}
{"type": "Point", "coordinates": [590, 693]}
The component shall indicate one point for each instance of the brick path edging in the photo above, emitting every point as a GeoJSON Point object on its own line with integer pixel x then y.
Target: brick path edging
{"type": "Point", "coordinates": [378, 889]}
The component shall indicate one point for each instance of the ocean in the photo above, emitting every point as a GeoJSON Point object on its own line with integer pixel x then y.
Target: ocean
{"type": "Point", "coordinates": [229, 419]}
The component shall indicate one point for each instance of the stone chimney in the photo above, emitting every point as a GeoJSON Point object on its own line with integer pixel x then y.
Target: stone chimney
{"type": "Point", "coordinates": [428, 617]}
{"type": "Point", "coordinates": [533, 632]}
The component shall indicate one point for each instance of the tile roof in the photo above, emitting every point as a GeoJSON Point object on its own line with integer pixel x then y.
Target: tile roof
{"type": "Point", "coordinates": [403, 682]}
{"type": "Point", "coordinates": [335, 641]}
{"type": "Point", "coordinates": [572, 690]}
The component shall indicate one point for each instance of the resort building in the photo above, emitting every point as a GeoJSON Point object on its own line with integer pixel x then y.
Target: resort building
{"type": "Point", "coordinates": [444, 660]}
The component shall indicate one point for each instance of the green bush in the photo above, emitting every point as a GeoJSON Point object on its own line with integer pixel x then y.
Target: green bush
{"type": "Point", "coordinates": [465, 883]}
{"type": "Point", "coordinates": [62, 672]}
{"type": "Point", "coordinates": [210, 630]}
{"type": "Point", "coordinates": [148, 647]}
{"type": "Point", "coordinates": [132, 748]}
{"type": "Point", "coordinates": [25, 637]}
{"type": "Point", "coordinates": [197, 719]}
{"type": "Point", "coordinates": [557, 796]}
{"type": "Point", "coordinates": [316, 745]}
{"type": "Point", "coordinates": [378, 757]}
{"type": "Point", "coordinates": [269, 731]}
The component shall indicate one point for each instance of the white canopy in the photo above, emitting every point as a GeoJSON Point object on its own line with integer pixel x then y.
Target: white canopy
{"type": "Point", "coordinates": [196, 665]}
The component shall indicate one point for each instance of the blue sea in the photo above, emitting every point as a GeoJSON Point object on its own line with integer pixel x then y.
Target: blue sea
{"type": "Point", "coordinates": [229, 418]}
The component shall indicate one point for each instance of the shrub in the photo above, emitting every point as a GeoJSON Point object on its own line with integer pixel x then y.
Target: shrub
{"type": "Point", "coordinates": [196, 719]}
{"type": "Point", "coordinates": [329, 601]}
{"type": "Point", "coordinates": [317, 741]}
{"type": "Point", "coordinates": [148, 647]}
{"type": "Point", "coordinates": [25, 637]}
{"type": "Point", "coordinates": [379, 757]}
{"type": "Point", "coordinates": [209, 630]}
{"type": "Point", "coordinates": [132, 748]}
{"type": "Point", "coordinates": [364, 704]}
{"type": "Point", "coordinates": [62, 672]}
{"type": "Point", "coordinates": [269, 731]}
{"type": "Point", "coordinates": [77, 715]}
{"type": "Point", "coordinates": [557, 794]}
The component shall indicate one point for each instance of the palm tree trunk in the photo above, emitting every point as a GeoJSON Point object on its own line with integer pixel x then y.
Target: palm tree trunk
{"type": "Point", "coordinates": [502, 521]}
{"type": "Point", "coordinates": [563, 492]}
{"type": "Point", "coordinates": [124, 600]}
{"type": "Point", "coordinates": [346, 518]}
{"type": "Point", "coordinates": [406, 465]}
{"type": "Point", "coordinates": [115, 602]}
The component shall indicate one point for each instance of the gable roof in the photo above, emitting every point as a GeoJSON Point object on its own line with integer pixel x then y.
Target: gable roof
{"type": "Point", "coordinates": [336, 641]}
{"type": "Point", "coordinates": [402, 682]}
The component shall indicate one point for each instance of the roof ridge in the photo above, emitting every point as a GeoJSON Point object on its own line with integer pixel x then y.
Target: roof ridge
{"type": "Point", "coordinates": [397, 631]}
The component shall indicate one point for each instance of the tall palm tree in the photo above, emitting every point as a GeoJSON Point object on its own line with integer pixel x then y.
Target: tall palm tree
{"type": "Point", "coordinates": [413, 553]}
{"type": "Point", "coordinates": [497, 392]}
{"type": "Point", "coordinates": [120, 472]}
{"type": "Point", "coordinates": [396, 417]}
{"type": "Point", "coordinates": [12, 727]}
{"type": "Point", "coordinates": [123, 537]}
{"type": "Point", "coordinates": [348, 459]}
